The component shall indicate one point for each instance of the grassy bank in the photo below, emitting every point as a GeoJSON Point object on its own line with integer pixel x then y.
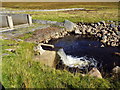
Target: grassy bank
{"type": "Point", "coordinates": [100, 11]}
{"type": "Point", "coordinates": [19, 70]}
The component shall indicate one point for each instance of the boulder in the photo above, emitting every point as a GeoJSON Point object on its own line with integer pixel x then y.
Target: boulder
{"type": "Point", "coordinates": [103, 22]}
{"type": "Point", "coordinates": [98, 23]}
{"type": "Point", "coordinates": [112, 25]}
{"type": "Point", "coordinates": [89, 29]}
{"type": "Point", "coordinates": [116, 70]}
{"type": "Point", "coordinates": [10, 50]}
{"type": "Point", "coordinates": [95, 73]}
{"type": "Point", "coordinates": [69, 25]}
{"type": "Point", "coordinates": [104, 37]}
{"type": "Point", "coordinates": [77, 31]}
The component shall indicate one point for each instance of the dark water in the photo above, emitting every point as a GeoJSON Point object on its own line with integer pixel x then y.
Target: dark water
{"type": "Point", "coordinates": [80, 46]}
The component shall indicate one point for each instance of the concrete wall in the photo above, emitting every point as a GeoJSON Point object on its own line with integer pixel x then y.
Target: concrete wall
{"type": "Point", "coordinates": [19, 19]}
{"type": "Point", "coordinates": [3, 21]}
{"type": "Point", "coordinates": [10, 20]}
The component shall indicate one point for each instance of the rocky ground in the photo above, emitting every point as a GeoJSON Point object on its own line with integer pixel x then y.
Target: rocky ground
{"type": "Point", "coordinates": [107, 33]}
{"type": "Point", "coordinates": [46, 34]}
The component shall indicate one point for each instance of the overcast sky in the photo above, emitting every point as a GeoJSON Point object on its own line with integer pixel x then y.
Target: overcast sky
{"type": "Point", "coordinates": [60, 0]}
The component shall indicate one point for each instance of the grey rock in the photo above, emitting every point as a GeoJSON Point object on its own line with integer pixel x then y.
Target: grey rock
{"type": "Point", "coordinates": [102, 45]}
{"type": "Point", "coordinates": [115, 29]}
{"type": "Point", "coordinates": [108, 43]}
{"type": "Point", "coordinates": [92, 24]}
{"type": "Point", "coordinates": [51, 22]}
{"type": "Point", "coordinates": [99, 35]}
{"type": "Point", "coordinates": [39, 21]}
{"type": "Point", "coordinates": [59, 24]}
{"type": "Point", "coordinates": [95, 73]}
{"type": "Point", "coordinates": [104, 37]}
{"type": "Point", "coordinates": [77, 31]}
{"type": "Point", "coordinates": [103, 22]}
{"type": "Point", "coordinates": [10, 50]}
{"type": "Point", "coordinates": [113, 44]}
{"type": "Point", "coordinates": [116, 70]}
{"type": "Point", "coordinates": [5, 54]}
{"type": "Point", "coordinates": [118, 33]}
{"type": "Point", "coordinates": [89, 30]}
{"type": "Point", "coordinates": [98, 23]}
{"type": "Point", "coordinates": [104, 41]}
{"type": "Point", "coordinates": [111, 21]}
{"type": "Point", "coordinates": [112, 25]}
{"type": "Point", "coordinates": [69, 25]}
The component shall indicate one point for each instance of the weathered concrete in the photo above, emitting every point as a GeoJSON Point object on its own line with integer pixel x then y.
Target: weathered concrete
{"type": "Point", "coordinates": [46, 57]}
{"type": "Point", "coordinates": [3, 21]}
{"type": "Point", "coordinates": [19, 19]}
{"type": "Point", "coordinates": [10, 20]}
{"type": "Point", "coordinates": [29, 19]}
{"type": "Point", "coordinates": [6, 21]}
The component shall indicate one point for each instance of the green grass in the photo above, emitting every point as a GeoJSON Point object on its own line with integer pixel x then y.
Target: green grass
{"type": "Point", "coordinates": [77, 16]}
{"type": "Point", "coordinates": [103, 10]}
{"type": "Point", "coordinates": [58, 5]}
{"type": "Point", "coordinates": [19, 69]}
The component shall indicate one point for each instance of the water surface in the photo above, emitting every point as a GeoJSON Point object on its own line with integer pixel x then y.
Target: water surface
{"type": "Point", "coordinates": [79, 46]}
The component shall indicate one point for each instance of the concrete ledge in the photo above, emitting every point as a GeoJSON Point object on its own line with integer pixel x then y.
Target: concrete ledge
{"type": "Point", "coordinates": [7, 29]}
{"type": "Point", "coordinates": [46, 57]}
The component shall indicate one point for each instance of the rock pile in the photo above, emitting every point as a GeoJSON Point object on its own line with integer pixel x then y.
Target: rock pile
{"type": "Point", "coordinates": [107, 33]}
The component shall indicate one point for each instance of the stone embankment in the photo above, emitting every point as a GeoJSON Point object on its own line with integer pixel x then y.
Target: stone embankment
{"type": "Point", "coordinates": [107, 33]}
{"type": "Point", "coordinates": [44, 35]}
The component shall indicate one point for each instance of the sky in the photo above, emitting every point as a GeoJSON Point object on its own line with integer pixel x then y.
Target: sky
{"type": "Point", "coordinates": [59, 0]}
